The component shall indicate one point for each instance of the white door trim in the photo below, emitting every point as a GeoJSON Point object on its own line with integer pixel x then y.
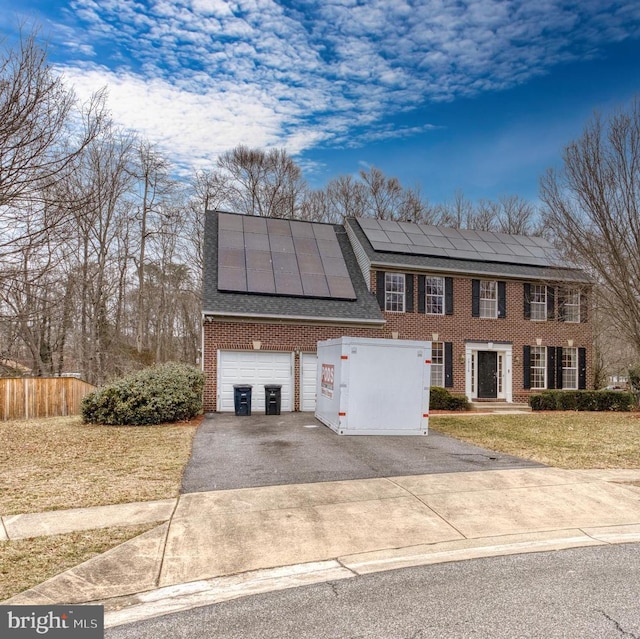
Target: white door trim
{"type": "Point", "coordinates": [471, 372]}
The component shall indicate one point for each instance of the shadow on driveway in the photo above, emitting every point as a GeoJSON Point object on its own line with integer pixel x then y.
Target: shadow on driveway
{"type": "Point", "coordinates": [295, 448]}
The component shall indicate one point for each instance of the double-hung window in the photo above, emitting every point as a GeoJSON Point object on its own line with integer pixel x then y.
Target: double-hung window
{"type": "Point", "coordinates": [488, 299]}
{"type": "Point", "coordinates": [538, 302]}
{"type": "Point", "coordinates": [570, 368]}
{"type": "Point", "coordinates": [434, 295]}
{"type": "Point", "coordinates": [538, 367]}
{"type": "Point", "coordinates": [437, 364]}
{"type": "Point", "coordinates": [571, 306]}
{"type": "Point", "coordinates": [394, 292]}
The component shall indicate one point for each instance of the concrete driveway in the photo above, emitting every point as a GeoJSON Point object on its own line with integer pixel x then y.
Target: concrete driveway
{"type": "Point", "coordinates": [295, 448]}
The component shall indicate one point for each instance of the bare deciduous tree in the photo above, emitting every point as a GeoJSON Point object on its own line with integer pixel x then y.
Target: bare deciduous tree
{"type": "Point", "coordinates": [593, 206]}
{"type": "Point", "coordinates": [264, 183]}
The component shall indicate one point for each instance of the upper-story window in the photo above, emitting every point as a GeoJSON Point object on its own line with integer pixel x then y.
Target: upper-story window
{"type": "Point", "coordinates": [434, 295]}
{"type": "Point", "coordinates": [538, 367]}
{"type": "Point", "coordinates": [394, 292]}
{"type": "Point", "coordinates": [488, 299]}
{"type": "Point", "coordinates": [571, 305]}
{"type": "Point", "coordinates": [538, 302]}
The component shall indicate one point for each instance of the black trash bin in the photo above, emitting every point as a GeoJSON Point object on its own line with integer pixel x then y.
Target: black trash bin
{"type": "Point", "coordinates": [272, 395]}
{"type": "Point", "coordinates": [242, 399]}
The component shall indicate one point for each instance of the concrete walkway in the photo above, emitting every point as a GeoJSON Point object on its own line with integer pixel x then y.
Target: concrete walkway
{"type": "Point", "coordinates": [215, 546]}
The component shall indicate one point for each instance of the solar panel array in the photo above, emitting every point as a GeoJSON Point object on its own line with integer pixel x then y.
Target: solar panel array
{"type": "Point", "coordinates": [463, 244]}
{"type": "Point", "coordinates": [280, 257]}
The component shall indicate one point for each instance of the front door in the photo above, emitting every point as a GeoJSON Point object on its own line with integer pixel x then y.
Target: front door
{"type": "Point", "coordinates": [487, 374]}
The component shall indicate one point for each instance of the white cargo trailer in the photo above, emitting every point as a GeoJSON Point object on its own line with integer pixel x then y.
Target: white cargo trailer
{"type": "Point", "coordinates": [374, 386]}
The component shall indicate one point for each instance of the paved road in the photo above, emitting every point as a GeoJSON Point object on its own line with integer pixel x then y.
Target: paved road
{"type": "Point", "coordinates": [587, 593]}
{"type": "Point", "coordinates": [266, 450]}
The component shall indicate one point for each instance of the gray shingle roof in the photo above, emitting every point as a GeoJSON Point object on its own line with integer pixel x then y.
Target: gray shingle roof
{"type": "Point", "coordinates": [363, 309]}
{"type": "Point", "coordinates": [474, 262]}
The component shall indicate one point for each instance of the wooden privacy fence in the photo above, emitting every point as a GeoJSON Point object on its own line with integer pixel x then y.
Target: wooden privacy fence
{"type": "Point", "coordinates": [33, 397]}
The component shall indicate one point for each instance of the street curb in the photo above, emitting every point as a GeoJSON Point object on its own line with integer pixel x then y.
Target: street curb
{"type": "Point", "coordinates": [179, 598]}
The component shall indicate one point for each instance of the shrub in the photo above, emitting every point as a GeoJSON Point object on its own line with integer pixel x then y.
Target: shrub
{"type": "Point", "coordinates": [164, 393]}
{"type": "Point", "coordinates": [441, 399]}
{"type": "Point", "coordinates": [599, 400]}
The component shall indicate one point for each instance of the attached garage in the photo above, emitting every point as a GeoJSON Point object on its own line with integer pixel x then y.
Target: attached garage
{"type": "Point", "coordinates": [256, 368]}
{"type": "Point", "coordinates": [308, 377]}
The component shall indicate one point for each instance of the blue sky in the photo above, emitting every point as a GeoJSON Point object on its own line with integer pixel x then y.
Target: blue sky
{"type": "Point", "coordinates": [477, 96]}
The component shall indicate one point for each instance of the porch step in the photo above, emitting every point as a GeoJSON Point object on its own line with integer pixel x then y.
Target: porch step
{"type": "Point", "coordinates": [500, 407]}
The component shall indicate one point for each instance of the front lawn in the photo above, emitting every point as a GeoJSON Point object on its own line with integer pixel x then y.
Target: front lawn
{"type": "Point", "coordinates": [561, 439]}
{"type": "Point", "coordinates": [58, 463]}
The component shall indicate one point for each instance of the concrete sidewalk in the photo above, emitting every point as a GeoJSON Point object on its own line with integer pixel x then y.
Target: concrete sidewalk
{"type": "Point", "coordinates": [219, 545]}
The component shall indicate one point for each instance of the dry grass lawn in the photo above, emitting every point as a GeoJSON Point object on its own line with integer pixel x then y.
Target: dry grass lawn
{"type": "Point", "coordinates": [58, 463]}
{"type": "Point", "coordinates": [562, 439]}
{"type": "Point", "coordinates": [25, 563]}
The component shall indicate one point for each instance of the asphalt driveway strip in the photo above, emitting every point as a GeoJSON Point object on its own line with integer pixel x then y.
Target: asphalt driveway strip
{"type": "Point", "coordinates": [295, 448]}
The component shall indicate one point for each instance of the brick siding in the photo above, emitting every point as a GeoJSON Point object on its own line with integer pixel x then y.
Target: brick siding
{"type": "Point", "coordinates": [457, 328]}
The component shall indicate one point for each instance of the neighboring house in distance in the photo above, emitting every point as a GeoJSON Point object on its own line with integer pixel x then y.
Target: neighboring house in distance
{"type": "Point", "coordinates": [506, 316]}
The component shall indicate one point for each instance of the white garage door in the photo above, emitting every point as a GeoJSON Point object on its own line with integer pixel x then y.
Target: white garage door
{"type": "Point", "coordinates": [256, 368]}
{"type": "Point", "coordinates": [308, 378]}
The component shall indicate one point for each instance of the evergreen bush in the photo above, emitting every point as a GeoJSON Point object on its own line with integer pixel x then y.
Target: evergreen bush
{"type": "Point", "coordinates": [593, 400]}
{"type": "Point", "coordinates": [165, 393]}
{"type": "Point", "coordinates": [441, 399]}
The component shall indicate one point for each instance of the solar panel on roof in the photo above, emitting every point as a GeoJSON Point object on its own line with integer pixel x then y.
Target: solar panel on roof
{"type": "Point", "coordinates": [260, 281]}
{"type": "Point", "coordinates": [389, 237]}
{"type": "Point", "coordinates": [232, 279]}
{"type": "Point", "coordinates": [281, 257]}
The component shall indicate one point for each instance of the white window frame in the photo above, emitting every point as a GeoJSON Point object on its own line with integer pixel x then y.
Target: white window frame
{"type": "Point", "coordinates": [434, 301]}
{"type": "Point", "coordinates": [538, 381]}
{"type": "Point", "coordinates": [569, 367]}
{"type": "Point", "coordinates": [488, 299]}
{"type": "Point", "coordinates": [395, 287]}
{"type": "Point", "coordinates": [538, 302]}
{"type": "Point", "coordinates": [437, 364]}
{"type": "Point", "coordinates": [571, 306]}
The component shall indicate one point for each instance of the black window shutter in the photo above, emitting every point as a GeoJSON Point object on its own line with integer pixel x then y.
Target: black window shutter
{"type": "Point", "coordinates": [527, 301]}
{"type": "Point", "coordinates": [558, 366]}
{"type": "Point", "coordinates": [448, 296]}
{"type": "Point", "coordinates": [502, 300]}
{"type": "Point", "coordinates": [526, 365]}
{"type": "Point", "coordinates": [408, 287]}
{"type": "Point", "coordinates": [475, 298]}
{"type": "Point", "coordinates": [582, 368]}
{"type": "Point", "coordinates": [561, 298]}
{"type": "Point", "coordinates": [583, 307]}
{"type": "Point", "coordinates": [448, 364]}
{"type": "Point", "coordinates": [421, 306]}
{"type": "Point", "coordinates": [380, 288]}
{"type": "Point", "coordinates": [551, 367]}
{"type": "Point", "coordinates": [551, 295]}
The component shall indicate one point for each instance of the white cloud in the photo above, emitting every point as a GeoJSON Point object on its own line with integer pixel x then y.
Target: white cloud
{"type": "Point", "coordinates": [200, 76]}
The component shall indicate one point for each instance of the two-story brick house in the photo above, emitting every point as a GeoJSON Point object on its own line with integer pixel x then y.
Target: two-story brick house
{"type": "Point", "coordinates": [506, 316]}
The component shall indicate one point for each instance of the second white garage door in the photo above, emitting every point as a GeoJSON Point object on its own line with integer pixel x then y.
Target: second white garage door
{"type": "Point", "coordinates": [256, 368]}
{"type": "Point", "coordinates": [308, 378]}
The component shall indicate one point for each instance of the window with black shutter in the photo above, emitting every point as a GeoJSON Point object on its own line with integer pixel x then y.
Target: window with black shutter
{"type": "Point", "coordinates": [448, 296]}
{"type": "Point", "coordinates": [409, 293]}
{"type": "Point", "coordinates": [448, 364]}
{"type": "Point", "coordinates": [502, 300]}
{"type": "Point", "coordinates": [380, 278]}
{"type": "Point", "coordinates": [475, 298]}
{"type": "Point", "coordinates": [526, 365]}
